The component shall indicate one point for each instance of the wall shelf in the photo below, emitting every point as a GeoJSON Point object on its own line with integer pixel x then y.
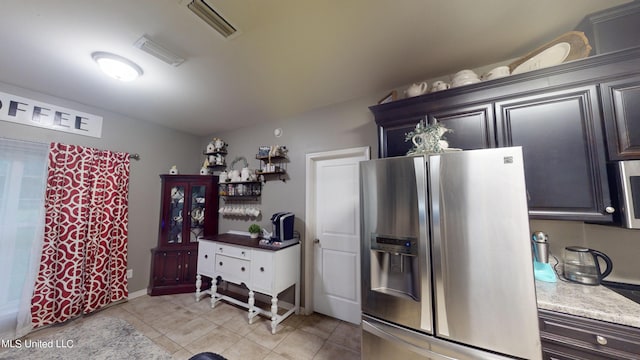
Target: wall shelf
{"type": "Point", "coordinates": [273, 166]}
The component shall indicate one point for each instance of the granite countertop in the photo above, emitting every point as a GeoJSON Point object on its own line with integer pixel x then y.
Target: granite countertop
{"type": "Point", "coordinates": [595, 302]}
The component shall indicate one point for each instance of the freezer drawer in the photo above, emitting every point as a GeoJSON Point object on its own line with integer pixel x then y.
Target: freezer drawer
{"type": "Point", "coordinates": [383, 340]}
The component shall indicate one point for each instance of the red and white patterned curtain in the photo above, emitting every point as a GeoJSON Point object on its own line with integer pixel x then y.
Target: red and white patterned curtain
{"type": "Point", "coordinates": [84, 259]}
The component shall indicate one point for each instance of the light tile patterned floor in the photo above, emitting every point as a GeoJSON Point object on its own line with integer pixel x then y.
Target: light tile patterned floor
{"type": "Point", "coordinates": [184, 327]}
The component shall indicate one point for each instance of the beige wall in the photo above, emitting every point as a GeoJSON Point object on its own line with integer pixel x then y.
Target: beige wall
{"type": "Point", "coordinates": [159, 148]}
{"type": "Point", "coordinates": [340, 126]}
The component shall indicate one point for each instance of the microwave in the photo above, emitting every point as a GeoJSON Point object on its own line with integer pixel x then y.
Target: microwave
{"type": "Point", "coordinates": [628, 186]}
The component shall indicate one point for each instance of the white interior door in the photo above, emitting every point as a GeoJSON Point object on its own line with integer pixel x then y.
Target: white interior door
{"type": "Point", "coordinates": [336, 237]}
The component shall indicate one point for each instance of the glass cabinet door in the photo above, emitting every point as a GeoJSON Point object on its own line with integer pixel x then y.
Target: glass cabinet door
{"type": "Point", "coordinates": [198, 199]}
{"type": "Point", "coordinates": [176, 207]}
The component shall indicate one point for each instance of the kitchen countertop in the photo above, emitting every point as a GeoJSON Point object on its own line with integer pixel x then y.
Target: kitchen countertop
{"type": "Point", "coordinates": [595, 302]}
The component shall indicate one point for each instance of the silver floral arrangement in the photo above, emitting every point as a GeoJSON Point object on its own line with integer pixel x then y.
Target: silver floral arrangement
{"type": "Point", "coordinates": [427, 139]}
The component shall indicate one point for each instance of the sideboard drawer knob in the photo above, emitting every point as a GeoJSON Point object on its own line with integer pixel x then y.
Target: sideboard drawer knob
{"type": "Point", "coordinates": [601, 340]}
{"type": "Point", "coordinates": [206, 256]}
{"type": "Point", "coordinates": [262, 268]}
{"type": "Point", "coordinates": [242, 268]}
{"type": "Point", "coordinates": [220, 263]}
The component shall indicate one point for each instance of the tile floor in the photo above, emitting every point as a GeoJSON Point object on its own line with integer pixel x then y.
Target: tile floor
{"type": "Point", "coordinates": [184, 327]}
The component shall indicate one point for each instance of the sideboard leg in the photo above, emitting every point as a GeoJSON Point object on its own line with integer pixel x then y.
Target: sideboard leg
{"type": "Point", "coordinates": [274, 314]}
{"type": "Point", "coordinates": [252, 311]}
{"type": "Point", "coordinates": [198, 285]}
{"type": "Point", "coordinates": [214, 294]}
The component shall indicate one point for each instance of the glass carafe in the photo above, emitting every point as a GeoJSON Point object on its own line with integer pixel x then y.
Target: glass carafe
{"type": "Point", "coordinates": [581, 265]}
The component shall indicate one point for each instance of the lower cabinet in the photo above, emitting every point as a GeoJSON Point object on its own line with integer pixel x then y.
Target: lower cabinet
{"type": "Point", "coordinates": [571, 337]}
{"type": "Point", "coordinates": [258, 269]}
{"type": "Point", "coordinates": [174, 271]}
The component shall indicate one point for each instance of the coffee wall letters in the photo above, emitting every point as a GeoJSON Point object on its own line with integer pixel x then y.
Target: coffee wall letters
{"type": "Point", "coordinates": [31, 112]}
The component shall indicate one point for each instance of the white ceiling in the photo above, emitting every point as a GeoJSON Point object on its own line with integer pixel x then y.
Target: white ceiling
{"type": "Point", "coordinates": [291, 56]}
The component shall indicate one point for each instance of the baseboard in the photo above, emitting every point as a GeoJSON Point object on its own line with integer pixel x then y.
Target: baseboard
{"type": "Point", "coordinates": [138, 293]}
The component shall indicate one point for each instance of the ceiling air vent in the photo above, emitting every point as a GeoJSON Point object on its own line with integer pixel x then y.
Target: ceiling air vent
{"type": "Point", "coordinates": [211, 17]}
{"type": "Point", "coordinates": [152, 48]}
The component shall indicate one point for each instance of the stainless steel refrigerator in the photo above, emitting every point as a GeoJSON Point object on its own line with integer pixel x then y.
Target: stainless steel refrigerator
{"type": "Point", "coordinates": [446, 258]}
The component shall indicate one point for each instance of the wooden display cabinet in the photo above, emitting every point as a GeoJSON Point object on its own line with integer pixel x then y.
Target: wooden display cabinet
{"type": "Point", "coordinates": [189, 209]}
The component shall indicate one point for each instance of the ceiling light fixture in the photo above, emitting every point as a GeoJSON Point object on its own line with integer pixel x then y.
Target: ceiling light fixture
{"type": "Point", "coordinates": [212, 17]}
{"type": "Point", "coordinates": [116, 66]}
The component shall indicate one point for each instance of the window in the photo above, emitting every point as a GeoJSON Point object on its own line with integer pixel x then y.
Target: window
{"type": "Point", "coordinates": [23, 175]}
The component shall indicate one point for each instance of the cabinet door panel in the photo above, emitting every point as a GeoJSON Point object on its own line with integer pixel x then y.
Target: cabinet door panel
{"type": "Point", "coordinates": [392, 137]}
{"type": "Point", "coordinates": [472, 127]}
{"type": "Point", "coordinates": [189, 266]}
{"type": "Point", "coordinates": [562, 142]}
{"type": "Point", "coordinates": [206, 258]}
{"type": "Point", "coordinates": [168, 268]}
{"type": "Point", "coordinates": [621, 108]}
{"type": "Point", "coordinates": [262, 271]}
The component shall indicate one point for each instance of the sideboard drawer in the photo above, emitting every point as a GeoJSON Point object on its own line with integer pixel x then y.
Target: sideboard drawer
{"type": "Point", "coordinates": [233, 269]}
{"type": "Point", "coordinates": [235, 251]}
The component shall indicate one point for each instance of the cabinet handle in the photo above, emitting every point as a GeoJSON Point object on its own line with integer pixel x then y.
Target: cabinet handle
{"type": "Point", "coordinates": [601, 340]}
{"type": "Point", "coordinates": [261, 269]}
{"type": "Point", "coordinates": [610, 209]}
{"type": "Point", "coordinates": [206, 256]}
{"type": "Point", "coordinates": [220, 263]}
{"type": "Point", "coordinates": [243, 253]}
{"type": "Point", "coordinates": [242, 268]}
{"type": "Point", "coordinates": [220, 249]}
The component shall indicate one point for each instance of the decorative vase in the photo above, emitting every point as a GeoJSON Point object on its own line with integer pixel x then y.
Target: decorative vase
{"type": "Point", "coordinates": [254, 235]}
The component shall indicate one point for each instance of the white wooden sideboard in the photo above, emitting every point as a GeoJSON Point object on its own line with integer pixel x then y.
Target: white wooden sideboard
{"type": "Point", "coordinates": [244, 261]}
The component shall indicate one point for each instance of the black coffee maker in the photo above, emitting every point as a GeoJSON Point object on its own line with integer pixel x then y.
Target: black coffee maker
{"type": "Point", "coordinates": [282, 226]}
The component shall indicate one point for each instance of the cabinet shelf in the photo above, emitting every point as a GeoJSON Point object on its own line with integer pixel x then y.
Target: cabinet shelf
{"type": "Point", "coordinates": [242, 190]}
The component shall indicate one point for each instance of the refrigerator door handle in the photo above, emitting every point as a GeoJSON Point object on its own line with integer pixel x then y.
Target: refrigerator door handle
{"type": "Point", "coordinates": [426, 321]}
{"type": "Point", "coordinates": [405, 338]}
{"type": "Point", "coordinates": [438, 258]}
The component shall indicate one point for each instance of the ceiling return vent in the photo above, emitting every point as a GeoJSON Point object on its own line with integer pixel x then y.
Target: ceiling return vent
{"type": "Point", "coordinates": [154, 49]}
{"type": "Point", "coordinates": [212, 17]}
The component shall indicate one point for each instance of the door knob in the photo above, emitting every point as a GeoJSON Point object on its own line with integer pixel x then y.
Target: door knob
{"type": "Point", "coordinates": [316, 241]}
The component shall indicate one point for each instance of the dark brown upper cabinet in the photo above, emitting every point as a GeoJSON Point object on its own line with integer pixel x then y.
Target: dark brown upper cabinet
{"type": "Point", "coordinates": [562, 143]}
{"type": "Point", "coordinates": [621, 107]}
{"type": "Point", "coordinates": [557, 114]}
{"type": "Point", "coordinates": [472, 127]}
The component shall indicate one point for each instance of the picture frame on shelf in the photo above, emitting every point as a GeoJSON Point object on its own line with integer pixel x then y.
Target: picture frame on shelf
{"type": "Point", "coordinates": [392, 96]}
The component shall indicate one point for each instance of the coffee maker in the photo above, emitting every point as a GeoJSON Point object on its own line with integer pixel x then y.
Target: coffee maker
{"type": "Point", "coordinates": [282, 223]}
